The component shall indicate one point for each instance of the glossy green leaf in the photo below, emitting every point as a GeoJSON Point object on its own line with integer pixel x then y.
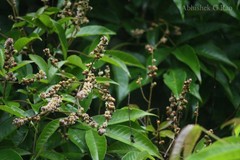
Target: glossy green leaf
{"type": "Point", "coordinates": [93, 30]}
{"type": "Point", "coordinates": [22, 42]}
{"type": "Point", "coordinates": [214, 53]}
{"type": "Point", "coordinates": [40, 62]}
{"type": "Point", "coordinates": [47, 132]}
{"type": "Point", "coordinates": [77, 61]}
{"type": "Point", "coordinates": [46, 20]}
{"type": "Point", "coordinates": [137, 155]}
{"type": "Point", "coordinates": [13, 110]}
{"type": "Point", "coordinates": [9, 154]}
{"type": "Point", "coordinates": [167, 133]}
{"type": "Point", "coordinates": [6, 128]}
{"type": "Point", "coordinates": [185, 141]}
{"type": "Point", "coordinates": [127, 58]}
{"type": "Point", "coordinates": [52, 155]}
{"type": "Point", "coordinates": [105, 80]}
{"type": "Point", "coordinates": [20, 65]}
{"type": "Point", "coordinates": [78, 138]}
{"type": "Point", "coordinates": [62, 38]}
{"type": "Point", "coordinates": [187, 55]}
{"type": "Point", "coordinates": [122, 133]}
{"type": "Point", "coordinates": [120, 148]}
{"type": "Point", "coordinates": [122, 115]}
{"type": "Point", "coordinates": [180, 5]}
{"type": "Point", "coordinates": [97, 145]}
{"type": "Point", "coordinates": [1, 59]}
{"type": "Point", "coordinates": [116, 62]}
{"type": "Point", "coordinates": [174, 79]}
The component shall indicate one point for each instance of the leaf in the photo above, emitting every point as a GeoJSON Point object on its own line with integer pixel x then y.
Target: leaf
{"type": "Point", "coordinates": [77, 61]}
{"type": "Point", "coordinates": [127, 58]}
{"type": "Point", "coordinates": [52, 155]}
{"type": "Point", "coordinates": [78, 138]}
{"type": "Point", "coordinates": [167, 133]}
{"type": "Point", "coordinates": [9, 154]}
{"type": "Point", "coordinates": [187, 55]}
{"type": "Point", "coordinates": [13, 110]}
{"type": "Point", "coordinates": [6, 128]}
{"type": "Point", "coordinates": [22, 42]}
{"type": "Point", "coordinates": [194, 90]}
{"type": "Point", "coordinates": [92, 30]}
{"type": "Point", "coordinates": [20, 65]}
{"type": "Point", "coordinates": [105, 80]}
{"type": "Point", "coordinates": [116, 62]}
{"type": "Point", "coordinates": [185, 141]}
{"type": "Point", "coordinates": [46, 20]}
{"type": "Point", "coordinates": [122, 79]}
{"type": "Point", "coordinates": [122, 115]}
{"type": "Point", "coordinates": [180, 5]}
{"type": "Point", "coordinates": [214, 53]}
{"type": "Point", "coordinates": [174, 79]}
{"type": "Point", "coordinates": [62, 38]}
{"type": "Point", "coordinates": [53, 70]}
{"type": "Point", "coordinates": [48, 130]}
{"type": "Point", "coordinates": [122, 133]}
{"type": "Point", "coordinates": [164, 125]}
{"type": "Point", "coordinates": [97, 145]}
{"type": "Point", "coordinates": [137, 155]}
{"type": "Point", "coordinates": [1, 59]}
{"type": "Point", "coordinates": [120, 148]}
{"type": "Point", "coordinates": [40, 62]}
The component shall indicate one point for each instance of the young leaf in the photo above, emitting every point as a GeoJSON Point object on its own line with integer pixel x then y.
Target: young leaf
{"type": "Point", "coordinates": [93, 30]}
{"type": "Point", "coordinates": [180, 4]}
{"type": "Point", "coordinates": [1, 59]}
{"type": "Point", "coordinates": [126, 58]}
{"type": "Point", "coordinates": [187, 55]}
{"type": "Point", "coordinates": [122, 133]}
{"type": "Point", "coordinates": [97, 145]}
{"type": "Point", "coordinates": [185, 141]}
{"type": "Point", "coordinates": [20, 65]}
{"type": "Point", "coordinates": [7, 154]}
{"type": "Point", "coordinates": [174, 79]}
{"type": "Point", "coordinates": [40, 62]}
{"type": "Point", "coordinates": [21, 42]}
{"type": "Point", "coordinates": [76, 60]}
{"type": "Point", "coordinates": [105, 80]}
{"type": "Point", "coordinates": [48, 130]}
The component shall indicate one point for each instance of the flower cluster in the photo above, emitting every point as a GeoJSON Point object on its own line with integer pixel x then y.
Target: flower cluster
{"type": "Point", "coordinates": [53, 60]}
{"type": "Point", "coordinates": [98, 52]}
{"type": "Point", "coordinates": [37, 77]}
{"type": "Point", "coordinates": [52, 105]}
{"type": "Point", "coordinates": [57, 87]}
{"type": "Point", "coordinates": [137, 32]}
{"type": "Point", "coordinates": [21, 121]}
{"type": "Point", "coordinates": [9, 52]}
{"type": "Point", "coordinates": [174, 110]}
{"type": "Point", "coordinates": [77, 10]}
{"type": "Point", "coordinates": [207, 139]}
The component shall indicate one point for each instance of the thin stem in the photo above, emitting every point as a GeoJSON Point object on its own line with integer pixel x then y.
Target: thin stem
{"type": "Point", "coordinates": [168, 149]}
{"type": "Point", "coordinates": [143, 95]}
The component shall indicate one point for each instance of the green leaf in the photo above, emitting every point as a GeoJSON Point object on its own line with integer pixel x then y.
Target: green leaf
{"type": "Point", "coordinates": [46, 20]}
{"type": "Point", "coordinates": [62, 38]}
{"type": "Point", "coordinates": [6, 128]}
{"type": "Point", "coordinates": [186, 141]}
{"type": "Point", "coordinates": [167, 133]}
{"type": "Point", "coordinates": [212, 52]}
{"type": "Point", "coordinates": [9, 154]}
{"type": "Point", "coordinates": [194, 90]}
{"type": "Point", "coordinates": [1, 59]}
{"type": "Point", "coordinates": [127, 58]}
{"type": "Point", "coordinates": [52, 155]}
{"type": "Point", "coordinates": [92, 30]}
{"type": "Point", "coordinates": [48, 130]}
{"type": "Point", "coordinates": [180, 5]}
{"type": "Point", "coordinates": [120, 148]}
{"type": "Point", "coordinates": [187, 55]}
{"type": "Point", "coordinates": [137, 155]}
{"type": "Point", "coordinates": [105, 80]}
{"type": "Point", "coordinates": [122, 133]}
{"type": "Point", "coordinates": [40, 62]}
{"type": "Point", "coordinates": [21, 42]}
{"type": "Point", "coordinates": [78, 138]}
{"type": "Point", "coordinates": [164, 125]}
{"type": "Point", "coordinates": [174, 79]}
{"type": "Point", "coordinates": [122, 115]}
{"type": "Point", "coordinates": [53, 70]}
{"type": "Point", "coordinates": [20, 65]}
{"type": "Point", "coordinates": [116, 62]}
{"type": "Point", "coordinates": [77, 61]}
{"type": "Point", "coordinates": [13, 110]}
{"type": "Point", "coordinates": [97, 145]}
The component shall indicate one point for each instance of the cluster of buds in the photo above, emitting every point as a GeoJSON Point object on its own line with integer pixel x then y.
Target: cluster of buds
{"type": "Point", "coordinates": [9, 52]}
{"type": "Point", "coordinates": [37, 77]}
{"type": "Point", "coordinates": [137, 32]}
{"type": "Point", "coordinates": [175, 109]}
{"type": "Point", "coordinates": [207, 139]}
{"type": "Point", "coordinates": [98, 52]}
{"type": "Point", "coordinates": [10, 76]}
{"type": "Point", "coordinates": [57, 87]}
{"type": "Point", "coordinates": [70, 120]}
{"type": "Point", "coordinates": [53, 60]}
{"type": "Point", "coordinates": [149, 48]}
{"type": "Point", "coordinates": [77, 10]}
{"type": "Point", "coordinates": [21, 121]}
{"type": "Point", "coordinates": [152, 70]}
{"type": "Point", "coordinates": [52, 105]}
{"type": "Point", "coordinates": [177, 31]}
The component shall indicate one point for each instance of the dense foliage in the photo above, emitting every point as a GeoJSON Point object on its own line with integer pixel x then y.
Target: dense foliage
{"type": "Point", "coordinates": [110, 79]}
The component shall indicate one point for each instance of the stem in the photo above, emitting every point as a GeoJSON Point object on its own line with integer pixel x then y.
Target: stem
{"type": "Point", "coordinates": [168, 149]}
{"type": "Point", "coordinates": [144, 97]}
